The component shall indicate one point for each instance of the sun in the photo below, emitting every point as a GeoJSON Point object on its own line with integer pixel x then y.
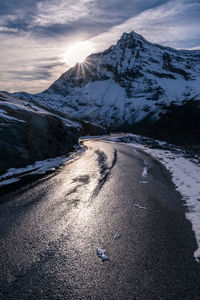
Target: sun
{"type": "Point", "coordinates": [78, 52]}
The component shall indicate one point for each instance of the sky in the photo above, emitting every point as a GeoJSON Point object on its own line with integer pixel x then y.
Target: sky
{"type": "Point", "coordinates": [41, 39]}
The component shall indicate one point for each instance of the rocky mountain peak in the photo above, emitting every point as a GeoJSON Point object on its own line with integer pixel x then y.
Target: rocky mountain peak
{"type": "Point", "coordinates": [131, 82]}
{"type": "Point", "coordinates": [132, 36]}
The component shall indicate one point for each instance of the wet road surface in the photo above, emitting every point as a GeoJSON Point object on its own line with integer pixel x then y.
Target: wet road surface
{"type": "Point", "coordinates": [50, 230]}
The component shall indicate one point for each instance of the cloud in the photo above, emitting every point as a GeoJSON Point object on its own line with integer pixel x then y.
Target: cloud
{"type": "Point", "coordinates": [54, 18]}
{"type": "Point", "coordinates": [4, 29]}
{"type": "Point", "coordinates": [175, 23]}
{"type": "Point", "coordinates": [61, 11]}
{"type": "Point", "coordinates": [36, 34]}
{"type": "Point", "coordinates": [28, 65]}
{"type": "Point", "coordinates": [83, 17]}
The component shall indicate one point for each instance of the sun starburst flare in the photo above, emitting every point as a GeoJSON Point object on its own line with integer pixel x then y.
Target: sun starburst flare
{"type": "Point", "coordinates": [78, 52]}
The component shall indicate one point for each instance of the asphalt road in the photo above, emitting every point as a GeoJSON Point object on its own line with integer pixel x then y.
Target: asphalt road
{"type": "Point", "coordinates": [50, 230]}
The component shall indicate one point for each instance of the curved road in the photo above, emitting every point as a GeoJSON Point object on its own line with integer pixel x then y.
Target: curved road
{"type": "Point", "coordinates": [50, 230]}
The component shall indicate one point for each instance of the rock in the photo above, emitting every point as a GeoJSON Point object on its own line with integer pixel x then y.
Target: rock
{"type": "Point", "coordinates": [88, 128]}
{"type": "Point", "coordinates": [177, 125]}
{"type": "Point", "coordinates": [28, 135]}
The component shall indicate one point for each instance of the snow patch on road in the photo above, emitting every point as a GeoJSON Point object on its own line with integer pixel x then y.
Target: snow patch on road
{"type": "Point", "coordinates": [102, 255]}
{"type": "Point", "coordinates": [139, 206]}
{"type": "Point", "coordinates": [145, 172]}
{"type": "Point", "coordinates": [116, 236]}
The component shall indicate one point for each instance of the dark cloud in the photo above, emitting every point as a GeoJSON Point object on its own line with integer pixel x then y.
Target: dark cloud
{"type": "Point", "coordinates": [10, 7]}
{"type": "Point", "coordinates": [104, 15]}
{"type": "Point", "coordinates": [126, 9]}
{"type": "Point", "coordinates": [37, 74]}
{"type": "Point", "coordinates": [21, 15]}
{"type": "Point", "coordinates": [50, 66]}
{"type": "Point", "coordinates": [83, 27]}
{"type": "Point", "coordinates": [40, 71]}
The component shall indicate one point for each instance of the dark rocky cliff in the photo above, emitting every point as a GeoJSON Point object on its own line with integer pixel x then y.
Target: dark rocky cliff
{"type": "Point", "coordinates": [27, 136]}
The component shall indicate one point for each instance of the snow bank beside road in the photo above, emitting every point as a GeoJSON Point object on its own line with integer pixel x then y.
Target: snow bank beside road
{"type": "Point", "coordinates": [186, 176]}
{"type": "Point", "coordinates": [39, 167]}
{"type": "Point", "coordinates": [185, 171]}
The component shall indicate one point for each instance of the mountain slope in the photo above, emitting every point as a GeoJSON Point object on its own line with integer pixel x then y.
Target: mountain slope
{"type": "Point", "coordinates": [133, 81]}
{"type": "Point", "coordinates": [29, 133]}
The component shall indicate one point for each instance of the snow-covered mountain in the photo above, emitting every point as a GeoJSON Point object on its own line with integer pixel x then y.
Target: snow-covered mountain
{"type": "Point", "coordinates": [133, 81]}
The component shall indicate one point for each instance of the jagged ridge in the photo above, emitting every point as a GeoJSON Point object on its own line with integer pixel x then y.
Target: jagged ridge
{"type": "Point", "coordinates": [131, 82]}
